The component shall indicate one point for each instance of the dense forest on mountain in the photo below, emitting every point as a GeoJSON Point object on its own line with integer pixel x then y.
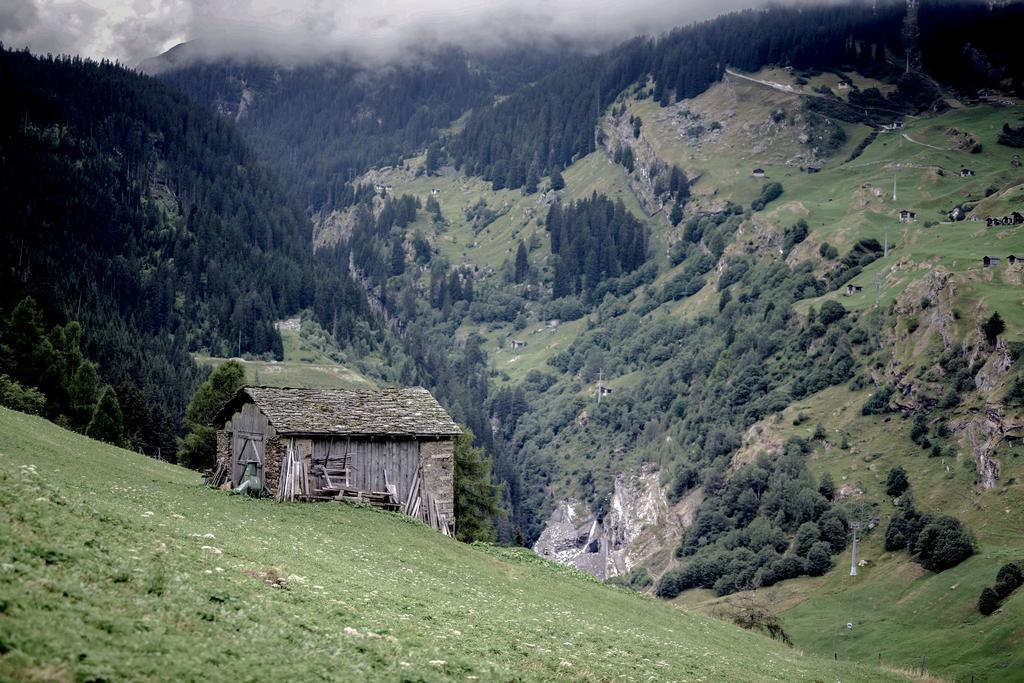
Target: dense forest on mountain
{"type": "Point", "coordinates": [595, 240]}
{"type": "Point", "coordinates": [145, 218]}
{"type": "Point", "coordinates": [551, 123]}
{"type": "Point", "coordinates": [323, 124]}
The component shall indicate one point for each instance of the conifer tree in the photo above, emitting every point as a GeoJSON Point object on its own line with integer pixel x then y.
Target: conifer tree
{"type": "Point", "coordinates": [557, 181]}
{"type": "Point", "coordinates": [397, 256]}
{"type": "Point", "coordinates": [677, 214]}
{"type": "Point", "coordinates": [522, 267]}
{"type": "Point", "coordinates": [107, 423]}
{"type": "Point", "coordinates": [83, 390]}
{"type": "Point", "coordinates": [532, 179]}
{"type": "Point", "coordinates": [476, 498]}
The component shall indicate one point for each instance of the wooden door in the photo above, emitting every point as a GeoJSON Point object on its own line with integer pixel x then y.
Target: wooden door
{"type": "Point", "coordinates": [250, 430]}
{"type": "Point", "coordinates": [246, 448]}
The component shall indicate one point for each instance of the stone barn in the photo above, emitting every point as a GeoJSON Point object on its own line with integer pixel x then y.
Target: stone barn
{"type": "Point", "coordinates": [393, 448]}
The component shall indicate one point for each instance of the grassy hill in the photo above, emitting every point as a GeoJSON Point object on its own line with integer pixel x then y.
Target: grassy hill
{"type": "Point", "coordinates": [118, 567]}
{"type": "Point", "coordinates": [310, 360]}
{"type": "Point", "coordinates": [899, 610]}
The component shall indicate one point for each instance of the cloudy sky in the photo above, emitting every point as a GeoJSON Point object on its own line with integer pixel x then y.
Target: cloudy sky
{"type": "Point", "coordinates": [132, 30]}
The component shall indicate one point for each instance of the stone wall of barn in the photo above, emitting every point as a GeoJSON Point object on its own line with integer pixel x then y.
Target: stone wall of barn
{"type": "Point", "coordinates": [223, 450]}
{"type": "Point", "coordinates": [437, 463]}
{"type": "Point", "coordinates": [274, 453]}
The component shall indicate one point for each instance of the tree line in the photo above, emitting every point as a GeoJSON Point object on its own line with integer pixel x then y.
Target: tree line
{"type": "Point", "coordinates": [145, 218]}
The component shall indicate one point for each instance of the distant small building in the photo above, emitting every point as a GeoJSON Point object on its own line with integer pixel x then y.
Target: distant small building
{"type": "Point", "coordinates": [852, 289]}
{"type": "Point", "coordinates": [516, 343]}
{"type": "Point", "coordinates": [1015, 218]}
{"type": "Point", "coordinates": [553, 323]}
{"type": "Point", "coordinates": [434, 191]}
{"type": "Point", "coordinates": [844, 85]}
{"type": "Point", "coordinates": [990, 261]}
{"type": "Point", "coordinates": [603, 390]}
{"type": "Point", "coordinates": [966, 173]}
{"type": "Point", "coordinates": [758, 173]}
{"type": "Point", "coordinates": [907, 216]}
{"type": "Point", "coordinates": [956, 214]}
{"type": "Point", "coordinates": [1011, 259]}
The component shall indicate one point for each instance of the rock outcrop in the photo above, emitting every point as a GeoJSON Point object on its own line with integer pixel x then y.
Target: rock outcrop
{"type": "Point", "coordinates": [638, 529]}
{"type": "Point", "coordinates": [984, 431]}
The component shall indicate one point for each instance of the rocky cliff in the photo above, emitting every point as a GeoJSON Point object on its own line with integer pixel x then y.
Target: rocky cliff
{"type": "Point", "coordinates": [640, 528]}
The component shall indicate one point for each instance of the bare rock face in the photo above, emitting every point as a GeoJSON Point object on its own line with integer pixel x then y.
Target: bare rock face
{"type": "Point", "coordinates": [984, 431]}
{"type": "Point", "coordinates": [625, 538]}
{"type": "Point", "coordinates": [939, 288]}
{"type": "Point", "coordinates": [997, 365]}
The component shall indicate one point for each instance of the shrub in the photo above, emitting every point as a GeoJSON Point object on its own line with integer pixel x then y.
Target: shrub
{"type": "Point", "coordinates": [806, 536]}
{"type": "Point", "coordinates": [896, 483]}
{"type": "Point", "coordinates": [1015, 396]}
{"type": "Point", "coordinates": [833, 529]}
{"type": "Point", "coordinates": [769, 192]}
{"type": "Point", "coordinates": [993, 327]}
{"type": "Point", "coordinates": [819, 559]}
{"type": "Point", "coordinates": [896, 534]}
{"type": "Point", "coordinates": [24, 399]}
{"type": "Point", "coordinates": [638, 579]}
{"type": "Point", "coordinates": [795, 234]}
{"type": "Point", "coordinates": [686, 478]}
{"type": "Point", "coordinates": [943, 543]}
{"type": "Point", "coordinates": [827, 487]}
{"type": "Point", "coordinates": [831, 311]}
{"type": "Point", "coordinates": [786, 567]}
{"type": "Point", "coordinates": [1009, 579]}
{"type": "Point", "coordinates": [988, 601]}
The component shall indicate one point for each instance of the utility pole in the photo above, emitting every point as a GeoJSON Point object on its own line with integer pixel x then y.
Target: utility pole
{"type": "Point", "coordinates": [878, 288]}
{"type": "Point", "coordinates": [600, 386]}
{"type": "Point", "coordinates": [853, 556]}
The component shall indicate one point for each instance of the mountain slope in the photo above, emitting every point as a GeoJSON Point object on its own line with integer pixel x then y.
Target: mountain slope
{"type": "Point", "coordinates": [321, 124]}
{"type": "Point", "coordinates": [705, 381]}
{"type": "Point", "coordinates": [147, 219]}
{"type": "Point", "coordinates": [118, 566]}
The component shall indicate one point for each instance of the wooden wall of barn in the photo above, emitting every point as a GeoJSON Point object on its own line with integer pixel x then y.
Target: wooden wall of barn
{"type": "Point", "coordinates": [367, 460]}
{"type": "Point", "coordinates": [248, 434]}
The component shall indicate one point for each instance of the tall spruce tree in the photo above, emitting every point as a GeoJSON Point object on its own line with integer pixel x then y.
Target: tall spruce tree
{"type": "Point", "coordinates": [522, 267]}
{"type": "Point", "coordinates": [107, 422]}
{"type": "Point", "coordinates": [557, 181]}
{"type": "Point", "coordinates": [476, 498]}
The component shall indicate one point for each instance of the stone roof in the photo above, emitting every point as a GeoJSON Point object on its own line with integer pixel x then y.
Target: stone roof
{"type": "Point", "coordinates": [410, 411]}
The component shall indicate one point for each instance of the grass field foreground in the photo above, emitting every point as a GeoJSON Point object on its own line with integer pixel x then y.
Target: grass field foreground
{"type": "Point", "coordinates": [119, 567]}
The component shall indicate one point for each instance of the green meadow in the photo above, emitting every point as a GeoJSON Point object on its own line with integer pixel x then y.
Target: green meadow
{"type": "Point", "coordinates": [119, 567]}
